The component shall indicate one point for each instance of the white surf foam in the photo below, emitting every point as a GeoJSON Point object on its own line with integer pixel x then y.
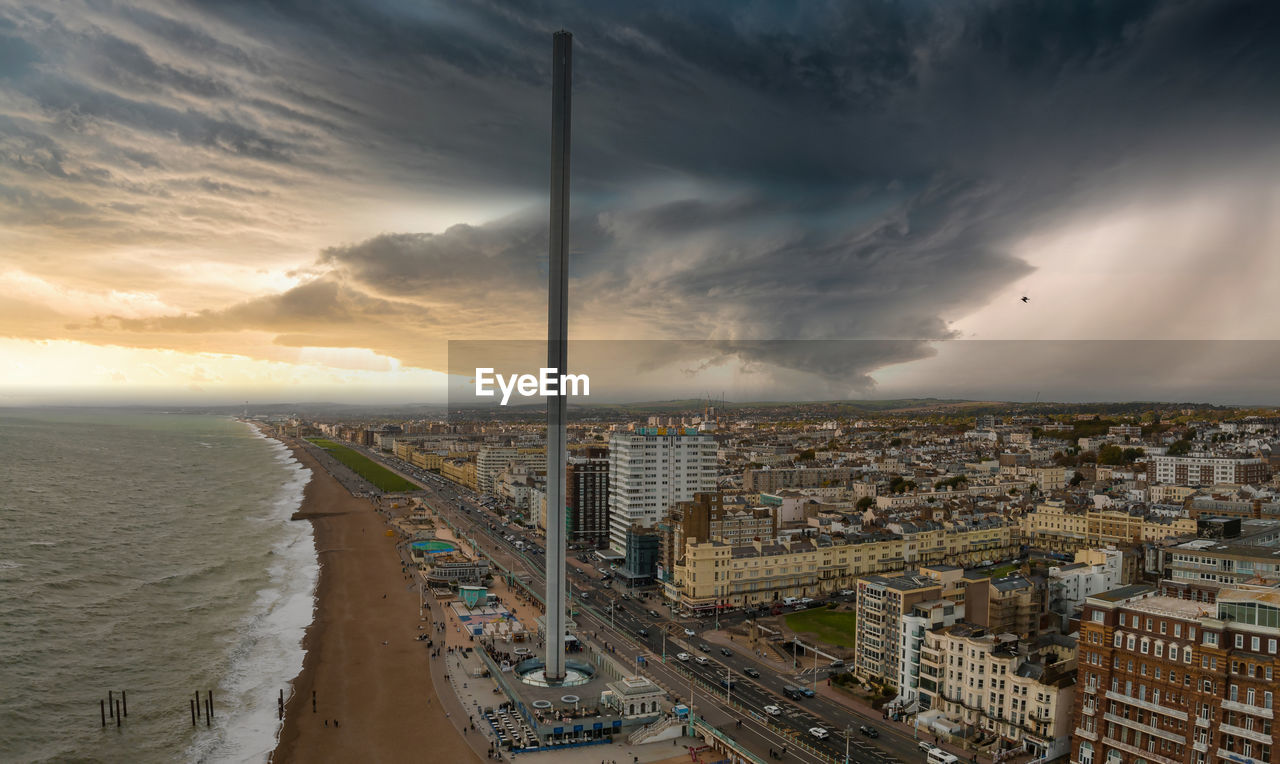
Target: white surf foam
{"type": "Point", "coordinates": [268, 656]}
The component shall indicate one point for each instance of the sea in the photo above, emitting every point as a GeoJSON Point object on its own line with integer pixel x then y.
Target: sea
{"type": "Point", "coordinates": [150, 554]}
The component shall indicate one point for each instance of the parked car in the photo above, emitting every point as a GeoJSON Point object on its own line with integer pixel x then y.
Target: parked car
{"type": "Point", "coordinates": [869, 731]}
{"type": "Point", "coordinates": [819, 733]}
{"type": "Point", "coordinates": [682, 656]}
{"type": "Point", "coordinates": [773, 710]}
{"type": "Point", "coordinates": [751, 673]}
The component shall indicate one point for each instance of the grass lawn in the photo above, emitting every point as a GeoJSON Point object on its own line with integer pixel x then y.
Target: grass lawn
{"type": "Point", "coordinates": [383, 478]}
{"type": "Point", "coordinates": [1004, 570]}
{"type": "Point", "coordinates": [828, 625]}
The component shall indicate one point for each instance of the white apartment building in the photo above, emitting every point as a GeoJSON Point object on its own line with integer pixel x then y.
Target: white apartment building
{"type": "Point", "coordinates": [972, 678]}
{"type": "Point", "coordinates": [1093, 572]}
{"type": "Point", "coordinates": [492, 460]}
{"type": "Point", "coordinates": [924, 617]}
{"type": "Point", "coordinates": [650, 470]}
{"type": "Point", "coordinates": [1202, 469]}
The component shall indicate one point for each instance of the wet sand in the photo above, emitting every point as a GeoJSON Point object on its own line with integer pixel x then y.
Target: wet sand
{"type": "Point", "coordinates": [381, 696]}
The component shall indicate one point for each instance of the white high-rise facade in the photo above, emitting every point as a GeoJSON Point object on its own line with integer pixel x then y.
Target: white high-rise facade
{"type": "Point", "coordinates": [651, 469]}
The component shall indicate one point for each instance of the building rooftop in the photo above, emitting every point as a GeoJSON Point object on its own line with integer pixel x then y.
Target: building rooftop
{"type": "Point", "coordinates": [1010, 583]}
{"type": "Point", "coordinates": [1123, 593]}
{"type": "Point", "coordinates": [1270, 596]}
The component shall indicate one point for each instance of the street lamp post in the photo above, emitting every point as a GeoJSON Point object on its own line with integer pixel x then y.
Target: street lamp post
{"type": "Point", "coordinates": [815, 671]}
{"type": "Point", "coordinates": [848, 732]}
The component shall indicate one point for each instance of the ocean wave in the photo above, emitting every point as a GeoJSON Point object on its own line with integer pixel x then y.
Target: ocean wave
{"type": "Point", "coordinates": [9, 565]}
{"type": "Point", "coordinates": [267, 654]}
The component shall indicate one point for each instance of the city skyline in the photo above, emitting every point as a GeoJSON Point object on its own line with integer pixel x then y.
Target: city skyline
{"type": "Point", "coordinates": [221, 203]}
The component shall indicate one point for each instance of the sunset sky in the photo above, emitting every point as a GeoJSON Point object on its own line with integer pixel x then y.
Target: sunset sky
{"type": "Point", "coordinates": [214, 202]}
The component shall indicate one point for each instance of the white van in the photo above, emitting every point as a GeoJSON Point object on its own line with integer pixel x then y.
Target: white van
{"type": "Point", "coordinates": [790, 600]}
{"type": "Point", "coordinates": [939, 756]}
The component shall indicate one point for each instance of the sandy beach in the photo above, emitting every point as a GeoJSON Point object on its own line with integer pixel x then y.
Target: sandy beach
{"type": "Point", "coordinates": [377, 700]}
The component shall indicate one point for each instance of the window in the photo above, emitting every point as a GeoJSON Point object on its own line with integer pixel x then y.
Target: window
{"type": "Point", "coordinates": [1119, 639]}
{"type": "Point", "coordinates": [1240, 641]}
{"type": "Point", "coordinates": [1099, 616]}
{"type": "Point", "coordinates": [1086, 752]}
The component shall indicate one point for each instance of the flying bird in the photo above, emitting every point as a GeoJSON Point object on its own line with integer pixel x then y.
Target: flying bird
{"type": "Point", "coordinates": [1026, 299]}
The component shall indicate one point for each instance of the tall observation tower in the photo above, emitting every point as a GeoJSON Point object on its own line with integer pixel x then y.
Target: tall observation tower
{"type": "Point", "coordinates": [557, 351]}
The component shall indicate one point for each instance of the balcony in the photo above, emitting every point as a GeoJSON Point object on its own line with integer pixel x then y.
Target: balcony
{"type": "Point", "coordinates": [1086, 734]}
{"type": "Point", "coordinates": [1201, 746]}
{"type": "Point", "coordinates": [1176, 737]}
{"type": "Point", "coordinates": [1254, 735]}
{"type": "Point", "coordinates": [1226, 755]}
{"type": "Point", "coordinates": [1245, 708]}
{"type": "Point", "coordinates": [1203, 721]}
{"type": "Point", "coordinates": [1090, 687]}
{"type": "Point", "coordinates": [1121, 697]}
{"type": "Point", "coordinates": [1138, 752]}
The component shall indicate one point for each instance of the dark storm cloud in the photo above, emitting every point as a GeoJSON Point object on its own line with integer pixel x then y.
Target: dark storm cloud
{"type": "Point", "coordinates": [741, 172]}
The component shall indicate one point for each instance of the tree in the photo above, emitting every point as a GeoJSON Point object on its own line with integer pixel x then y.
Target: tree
{"type": "Point", "coordinates": [864, 503]}
{"type": "Point", "coordinates": [1180, 448]}
{"type": "Point", "coordinates": [1110, 455]}
{"type": "Point", "coordinates": [1077, 479]}
{"type": "Point", "coordinates": [899, 484]}
{"type": "Point", "coordinates": [807, 455]}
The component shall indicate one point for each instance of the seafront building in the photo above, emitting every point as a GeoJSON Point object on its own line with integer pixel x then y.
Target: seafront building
{"type": "Point", "coordinates": [492, 461]}
{"type": "Point", "coordinates": [1170, 680]}
{"type": "Point", "coordinates": [587, 499]}
{"type": "Point", "coordinates": [651, 469]}
{"type": "Point", "coordinates": [882, 603]}
{"type": "Point", "coordinates": [1019, 691]}
{"type": "Point", "coordinates": [714, 574]}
